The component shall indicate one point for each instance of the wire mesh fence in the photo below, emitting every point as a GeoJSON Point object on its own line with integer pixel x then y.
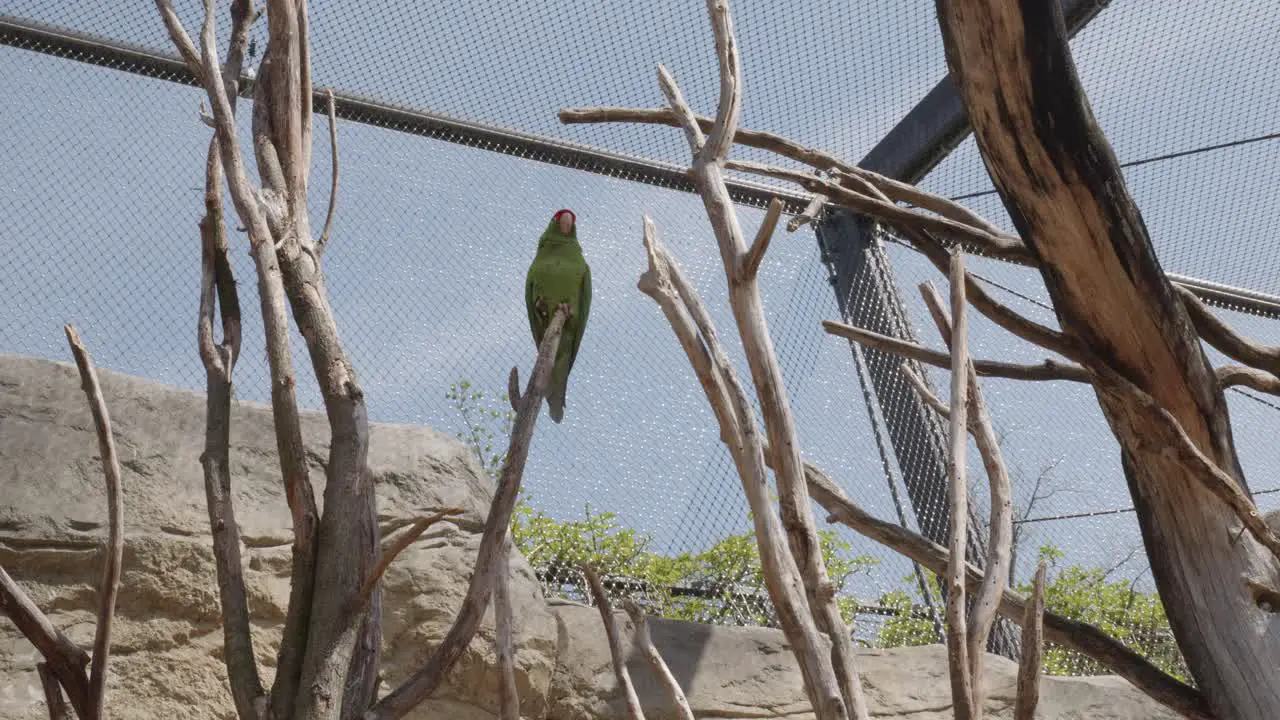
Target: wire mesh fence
{"type": "Point", "coordinates": [101, 187]}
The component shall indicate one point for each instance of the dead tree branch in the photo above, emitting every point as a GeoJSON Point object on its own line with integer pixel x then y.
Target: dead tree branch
{"type": "Point", "coordinates": [323, 242]}
{"type": "Point", "coordinates": [392, 549]}
{"type": "Point", "coordinates": [1081, 637]}
{"type": "Point", "coordinates": [644, 641]}
{"type": "Point", "coordinates": [755, 255]}
{"type": "Point", "coordinates": [999, 245]}
{"type": "Point", "coordinates": [53, 698]}
{"type": "Point", "coordinates": [666, 284]}
{"type": "Point", "coordinates": [425, 680]}
{"type": "Point", "coordinates": [218, 288]}
{"type": "Point", "coordinates": [819, 160]}
{"type": "Point", "coordinates": [109, 588]}
{"type": "Point", "coordinates": [504, 637]}
{"type": "Point", "coordinates": [1059, 178]}
{"type": "Point", "coordinates": [965, 703]}
{"type": "Point", "coordinates": [1030, 667]}
{"type": "Point", "coordinates": [1000, 543]}
{"type": "Point", "coordinates": [64, 658]}
{"type": "Point", "coordinates": [634, 711]}
{"type": "Point", "coordinates": [1046, 370]}
{"type": "Point", "coordinates": [709, 162]}
{"type": "Point", "coordinates": [1226, 339]}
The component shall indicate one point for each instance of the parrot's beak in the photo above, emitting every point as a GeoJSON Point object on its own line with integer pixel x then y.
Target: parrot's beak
{"type": "Point", "coordinates": [566, 223]}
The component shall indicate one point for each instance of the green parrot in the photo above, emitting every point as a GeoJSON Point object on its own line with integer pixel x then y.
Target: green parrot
{"type": "Point", "coordinates": [559, 274]}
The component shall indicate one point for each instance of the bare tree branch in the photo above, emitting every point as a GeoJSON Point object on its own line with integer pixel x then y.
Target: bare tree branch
{"type": "Point", "coordinates": [391, 549]}
{"type": "Point", "coordinates": [1174, 440]}
{"type": "Point", "coordinates": [817, 159]}
{"type": "Point", "coordinates": [53, 698]}
{"type": "Point", "coordinates": [219, 361]}
{"type": "Point", "coordinates": [755, 255]}
{"type": "Point", "coordinates": [323, 242]}
{"type": "Point", "coordinates": [930, 399]}
{"type": "Point", "coordinates": [298, 490]}
{"type": "Point", "coordinates": [1081, 637]}
{"type": "Point", "coordinates": [109, 588]}
{"type": "Point", "coordinates": [425, 680]}
{"type": "Point", "coordinates": [1225, 338]}
{"type": "Point", "coordinates": [1047, 370]}
{"type": "Point", "coordinates": [64, 658]}
{"type": "Point", "coordinates": [504, 637]}
{"type": "Point", "coordinates": [966, 704]}
{"type": "Point", "coordinates": [1030, 666]}
{"type": "Point", "coordinates": [645, 642]}
{"type": "Point", "coordinates": [1000, 542]}
{"type": "Point", "coordinates": [634, 711]}
{"type": "Point", "coordinates": [181, 40]}
{"type": "Point", "coordinates": [693, 134]}
{"type": "Point", "coordinates": [811, 211]}
{"type": "Point", "coordinates": [679, 301]}
{"type": "Point", "coordinates": [709, 162]}
{"type": "Point", "coordinates": [1238, 375]}
{"type": "Point", "coordinates": [999, 245]}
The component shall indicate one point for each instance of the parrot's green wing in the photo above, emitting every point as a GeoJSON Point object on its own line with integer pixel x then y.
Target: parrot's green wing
{"type": "Point", "coordinates": [537, 324]}
{"type": "Point", "coordinates": [583, 310]}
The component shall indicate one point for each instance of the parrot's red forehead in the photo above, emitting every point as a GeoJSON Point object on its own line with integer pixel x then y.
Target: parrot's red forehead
{"type": "Point", "coordinates": [572, 217]}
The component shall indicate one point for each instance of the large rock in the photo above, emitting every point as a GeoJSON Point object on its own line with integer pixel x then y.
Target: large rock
{"type": "Point", "coordinates": [166, 659]}
{"type": "Point", "coordinates": [167, 649]}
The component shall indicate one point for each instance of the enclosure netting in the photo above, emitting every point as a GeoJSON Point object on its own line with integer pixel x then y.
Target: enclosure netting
{"type": "Point", "coordinates": [101, 186]}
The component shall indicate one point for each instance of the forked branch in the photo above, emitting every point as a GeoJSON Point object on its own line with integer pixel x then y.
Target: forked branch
{"type": "Point", "coordinates": [109, 588]}
{"type": "Point", "coordinates": [425, 680]}
{"type": "Point", "coordinates": [644, 641]}
{"type": "Point", "coordinates": [740, 262]}
{"type": "Point", "coordinates": [679, 301]}
{"type": "Point", "coordinates": [634, 711]}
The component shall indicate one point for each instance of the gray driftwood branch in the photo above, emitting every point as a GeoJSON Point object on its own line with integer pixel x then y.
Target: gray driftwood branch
{"type": "Point", "coordinates": [1030, 665]}
{"type": "Point", "coordinates": [426, 679]}
{"type": "Point", "coordinates": [504, 637]}
{"type": "Point", "coordinates": [679, 302]}
{"type": "Point", "coordinates": [614, 637]}
{"type": "Point", "coordinates": [966, 705]}
{"type": "Point", "coordinates": [644, 641]}
{"type": "Point", "coordinates": [741, 264]}
{"type": "Point", "coordinates": [1000, 544]}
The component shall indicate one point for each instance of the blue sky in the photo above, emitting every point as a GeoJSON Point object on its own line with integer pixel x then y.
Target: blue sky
{"type": "Point", "coordinates": [100, 189]}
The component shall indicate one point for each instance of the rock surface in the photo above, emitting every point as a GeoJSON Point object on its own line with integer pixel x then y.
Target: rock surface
{"type": "Point", "coordinates": [167, 643]}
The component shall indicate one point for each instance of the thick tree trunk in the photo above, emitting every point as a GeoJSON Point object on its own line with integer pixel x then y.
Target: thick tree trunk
{"type": "Point", "coordinates": [1062, 185]}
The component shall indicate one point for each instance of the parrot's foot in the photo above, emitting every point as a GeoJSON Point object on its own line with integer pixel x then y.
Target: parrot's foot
{"type": "Point", "coordinates": [568, 311]}
{"type": "Point", "coordinates": [540, 306]}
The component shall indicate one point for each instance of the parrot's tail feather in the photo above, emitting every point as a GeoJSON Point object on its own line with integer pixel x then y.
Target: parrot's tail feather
{"type": "Point", "coordinates": [555, 404]}
{"type": "Point", "coordinates": [555, 393]}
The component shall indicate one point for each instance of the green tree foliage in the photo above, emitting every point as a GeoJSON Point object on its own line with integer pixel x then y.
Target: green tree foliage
{"type": "Point", "coordinates": [725, 583]}
{"type": "Point", "coordinates": [1089, 595]}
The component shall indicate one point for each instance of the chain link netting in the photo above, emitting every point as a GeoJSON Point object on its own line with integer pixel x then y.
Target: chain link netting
{"type": "Point", "coordinates": [101, 187]}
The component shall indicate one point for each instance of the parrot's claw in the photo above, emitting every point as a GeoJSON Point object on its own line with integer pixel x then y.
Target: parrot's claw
{"type": "Point", "coordinates": [540, 306]}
